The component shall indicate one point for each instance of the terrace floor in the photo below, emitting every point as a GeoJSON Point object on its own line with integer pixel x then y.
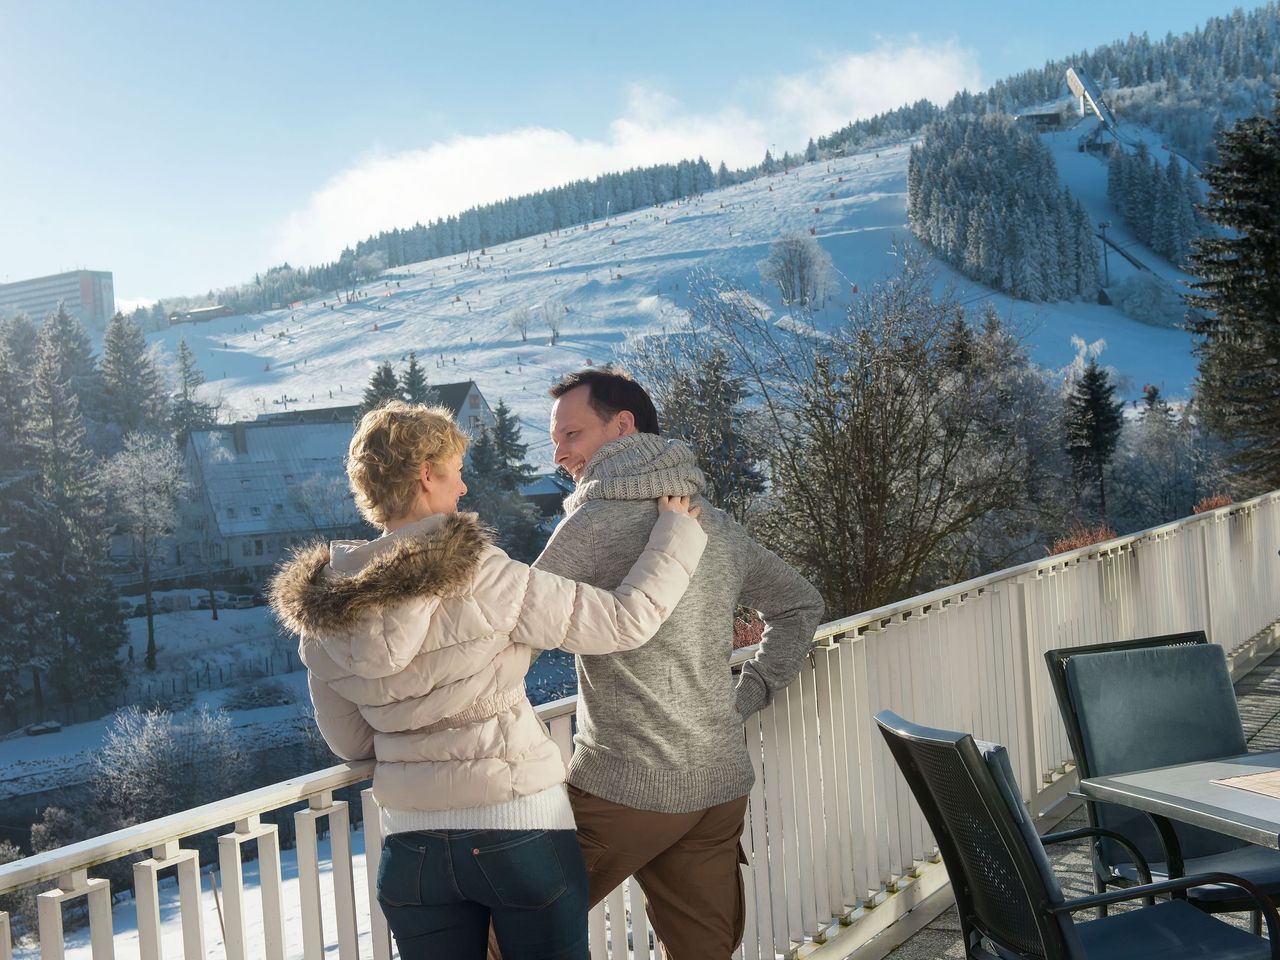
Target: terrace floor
{"type": "Point", "coordinates": [1258, 693]}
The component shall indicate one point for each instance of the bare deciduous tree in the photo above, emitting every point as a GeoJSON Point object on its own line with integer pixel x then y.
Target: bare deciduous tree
{"type": "Point", "coordinates": [553, 316]}
{"type": "Point", "coordinates": [890, 448]}
{"type": "Point", "coordinates": [801, 270]}
{"type": "Point", "coordinates": [145, 481]}
{"type": "Point", "coordinates": [325, 500]}
{"type": "Point", "coordinates": [520, 322]}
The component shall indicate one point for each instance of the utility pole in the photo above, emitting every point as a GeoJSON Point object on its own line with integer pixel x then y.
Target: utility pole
{"type": "Point", "coordinates": [1106, 267]}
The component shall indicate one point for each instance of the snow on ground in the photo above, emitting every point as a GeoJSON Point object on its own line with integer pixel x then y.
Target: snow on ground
{"type": "Point", "coordinates": [628, 276]}
{"type": "Point", "coordinates": [191, 641]}
{"type": "Point", "coordinates": [124, 915]}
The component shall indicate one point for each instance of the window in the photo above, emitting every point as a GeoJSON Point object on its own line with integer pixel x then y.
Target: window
{"type": "Point", "coordinates": [257, 548]}
{"type": "Point", "coordinates": [279, 507]}
{"type": "Point", "coordinates": [244, 484]}
{"type": "Point", "coordinates": [231, 513]}
{"type": "Point", "coordinates": [248, 550]}
{"type": "Point", "coordinates": [288, 479]}
{"type": "Point", "coordinates": [473, 401]}
{"type": "Point", "coordinates": [475, 422]}
{"type": "Point", "coordinates": [256, 511]}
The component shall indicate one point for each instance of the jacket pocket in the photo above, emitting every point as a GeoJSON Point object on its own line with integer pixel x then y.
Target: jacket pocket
{"type": "Point", "coordinates": [400, 873]}
{"type": "Point", "coordinates": [523, 869]}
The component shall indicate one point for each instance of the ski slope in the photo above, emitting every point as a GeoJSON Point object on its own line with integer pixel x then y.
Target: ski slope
{"type": "Point", "coordinates": [627, 276]}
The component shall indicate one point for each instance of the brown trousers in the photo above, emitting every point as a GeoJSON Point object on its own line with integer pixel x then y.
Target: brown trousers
{"type": "Point", "coordinates": [687, 864]}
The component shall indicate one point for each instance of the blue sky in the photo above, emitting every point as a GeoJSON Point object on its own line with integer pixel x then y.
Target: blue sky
{"type": "Point", "coordinates": [184, 146]}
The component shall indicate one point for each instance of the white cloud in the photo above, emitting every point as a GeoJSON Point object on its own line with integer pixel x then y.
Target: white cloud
{"type": "Point", "coordinates": [859, 85]}
{"type": "Point", "coordinates": [384, 191]}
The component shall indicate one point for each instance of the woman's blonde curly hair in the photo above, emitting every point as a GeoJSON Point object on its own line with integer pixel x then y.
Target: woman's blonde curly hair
{"type": "Point", "coordinates": [390, 444]}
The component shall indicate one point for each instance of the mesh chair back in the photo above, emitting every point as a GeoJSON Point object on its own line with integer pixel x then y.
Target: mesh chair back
{"type": "Point", "coordinates": [1152, 707]}
{"type": "Point", "coordinates": [998, 877]}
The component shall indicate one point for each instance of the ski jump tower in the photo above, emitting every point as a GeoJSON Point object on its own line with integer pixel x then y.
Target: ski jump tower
{"type": "Point", "coordinates": [1089, 94]}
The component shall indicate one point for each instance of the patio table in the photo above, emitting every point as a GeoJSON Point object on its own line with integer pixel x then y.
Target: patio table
{"type": "Point", "coordinates": [1186, 792]}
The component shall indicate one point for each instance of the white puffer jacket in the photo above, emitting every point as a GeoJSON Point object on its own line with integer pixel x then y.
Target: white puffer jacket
{"type": "Point", "coordinates": [417, 645]}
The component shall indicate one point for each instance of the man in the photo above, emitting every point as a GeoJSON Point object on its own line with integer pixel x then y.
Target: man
{"type": "Point", "coordinates": [660, 772]}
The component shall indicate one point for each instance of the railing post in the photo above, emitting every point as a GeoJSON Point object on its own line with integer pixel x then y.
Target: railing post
{"type": "Point", "coordinates": [344, 904]}
{"type": "Point", "coordinates": [76, 884]}
{"type": "Point", "coordinates": [6, 938]}
{"type": "Point", "coordinates": [269, 884]}
{"type": "Point", "coordinates": [146, 882]}
{"type": "Point", "coordinates": [1206, 581]}
{"type": "Point", "coordinates": [372, 820]}
{"type": "Point", "coordinates": [1028, 648]}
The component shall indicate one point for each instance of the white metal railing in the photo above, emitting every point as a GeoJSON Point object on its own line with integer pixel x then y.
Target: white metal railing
{"type": "Point", "coordinates": [836, 847]}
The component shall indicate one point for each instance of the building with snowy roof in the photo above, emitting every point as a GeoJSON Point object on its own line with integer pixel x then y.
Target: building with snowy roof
{"type": "Point", "coordinates": [264, 485]}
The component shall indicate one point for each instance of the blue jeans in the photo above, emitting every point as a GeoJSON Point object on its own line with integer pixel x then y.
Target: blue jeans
{"type": "Point", "coordinates": [439, 890]}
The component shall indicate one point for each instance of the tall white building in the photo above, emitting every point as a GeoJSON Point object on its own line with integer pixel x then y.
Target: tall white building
{"type": "Point", "coordinates": [87, 294]}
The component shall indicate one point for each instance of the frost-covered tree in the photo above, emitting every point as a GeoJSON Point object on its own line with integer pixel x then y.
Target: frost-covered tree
{"type": "Point", "coordinates": [1155, 203]}
{"type": "Point", "coordinates": [67, 566]}
{"type": "Point", "coordinates": [800, 269]}
{"type": "Point", "coordinates": [553, 317]}
{"type": "Point", "coordinates": [521, 321]}
{"type": "Point", "coordinates": [494, 474]}
{"type": "Point", "coordinates": [154, 763]}
{"type": "Point", "coordinates": [371, 264]}
{"type": "Point", "coordinates": [1164, 465]}
{"type": "Point", "coordinates": [1237, 300]}
{"type": "Point", "coordinates": [1093, 423]}
{"type": "Point", "coordinates": [145, 482]}
{"type": "Point", "coordinates": [63, 339]}
{"type": "Point", "coordinates": [704, 405]}
{"type": "Point", "coordinates": [882, 456]}
{"type": "Point", "coordinates": [133, 396]}
{"type": "Point", "coordinates": [984, 193]}
{"type": "Point", "coordinates": [187, 410]}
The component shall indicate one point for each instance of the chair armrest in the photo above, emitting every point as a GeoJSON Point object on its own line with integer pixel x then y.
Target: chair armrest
{"type": "Point", "coordinates": [1265, 906]}
{"type": "Point", "coordinates": [1144, 869]}
{"type": "Point", "coordinates": [1164, 833]}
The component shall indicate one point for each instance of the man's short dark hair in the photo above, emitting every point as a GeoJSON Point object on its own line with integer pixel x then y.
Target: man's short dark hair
{"type": "Point", "coordinates": [611, 392]}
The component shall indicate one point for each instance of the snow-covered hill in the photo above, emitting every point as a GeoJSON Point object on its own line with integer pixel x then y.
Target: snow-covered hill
{"type": "Point", "coordinates": [627, 276]}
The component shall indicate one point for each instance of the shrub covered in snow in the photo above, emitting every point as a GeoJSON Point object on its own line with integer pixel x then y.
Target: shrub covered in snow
{"type": "Point", "coordinates": [1148, 299]}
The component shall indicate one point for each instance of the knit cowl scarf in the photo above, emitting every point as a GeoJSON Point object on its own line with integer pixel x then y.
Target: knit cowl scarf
{"type": "Point", "coordinates": [639, 466]}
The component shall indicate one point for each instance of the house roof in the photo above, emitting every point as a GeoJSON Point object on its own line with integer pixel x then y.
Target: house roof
{"type": "Point", "coordinates": [451, 395]}
{"type": "Point", "coordinates": [284, 473]}
{"type": "Point", "coordinates": [283, 478]}
{"type": "Point", "coordinates": [548, 485]}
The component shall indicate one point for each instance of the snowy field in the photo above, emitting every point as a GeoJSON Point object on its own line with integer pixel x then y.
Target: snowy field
{"type": "Point", "coordinates": [628, 276]}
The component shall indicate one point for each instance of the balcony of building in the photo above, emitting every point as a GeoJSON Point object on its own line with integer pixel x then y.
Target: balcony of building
{"type": "Point", "coordinates": [841, 862]}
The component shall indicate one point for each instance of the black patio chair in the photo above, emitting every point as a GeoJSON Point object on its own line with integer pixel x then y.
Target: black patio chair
{"type": "Point", "coordinates": [1010, 904]}
{"type": "Point", "coordinates": [1153, 702]}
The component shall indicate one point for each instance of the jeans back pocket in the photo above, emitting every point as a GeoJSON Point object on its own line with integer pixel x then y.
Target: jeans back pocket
{"type": "Point", "coordinates": [400, 873]}
{"type": "Point", "coordinates": [523, 869]}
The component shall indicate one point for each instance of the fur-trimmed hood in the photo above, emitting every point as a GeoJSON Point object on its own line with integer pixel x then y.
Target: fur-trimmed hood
{"type": "Point", "coordinates": [309, 596]}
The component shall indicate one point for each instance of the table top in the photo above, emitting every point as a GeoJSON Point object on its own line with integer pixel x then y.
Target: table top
{"type": "Point", "coordinates": [1186, 793]}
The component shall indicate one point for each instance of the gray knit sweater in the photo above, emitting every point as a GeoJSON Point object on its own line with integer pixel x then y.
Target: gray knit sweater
{"type": "Point", "coordinates": [660, 727]}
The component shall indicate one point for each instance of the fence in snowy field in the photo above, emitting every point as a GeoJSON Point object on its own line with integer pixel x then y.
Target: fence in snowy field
{"type": "Point", "coordinates": [837, 849]}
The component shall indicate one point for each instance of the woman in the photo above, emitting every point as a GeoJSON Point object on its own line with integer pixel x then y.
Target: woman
{"type": "Point", "coordinates": [416, 646]}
